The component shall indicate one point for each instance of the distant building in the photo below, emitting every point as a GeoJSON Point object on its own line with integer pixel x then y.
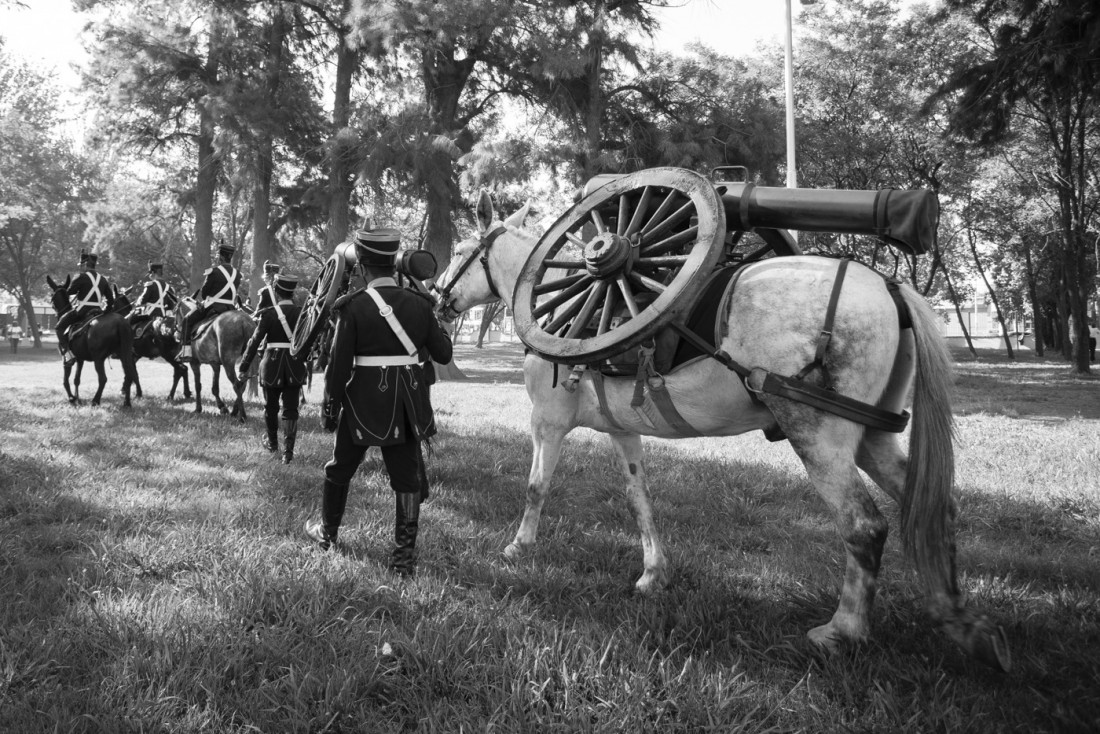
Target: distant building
{"type": "Point", "coordinates": [980, 319]}
{"type": "Point", "coordinates": [43, 313]}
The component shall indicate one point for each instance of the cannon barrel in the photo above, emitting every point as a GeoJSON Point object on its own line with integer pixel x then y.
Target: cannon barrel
{"type": "Point", "coordinates": [906, 219]}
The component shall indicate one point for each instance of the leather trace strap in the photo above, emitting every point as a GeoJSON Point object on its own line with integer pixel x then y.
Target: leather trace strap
{"type": "Point", "coordinates": [387, 313]}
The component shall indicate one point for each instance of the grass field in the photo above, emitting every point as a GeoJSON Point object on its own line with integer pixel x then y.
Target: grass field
{"type": "Point", "coordinates": [153, 575]}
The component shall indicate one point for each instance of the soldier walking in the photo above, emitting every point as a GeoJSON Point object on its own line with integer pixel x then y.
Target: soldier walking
{"type": "Point", "coordinates": [281, 375]}
{"type": "Point", "coordinates": [377, 392]}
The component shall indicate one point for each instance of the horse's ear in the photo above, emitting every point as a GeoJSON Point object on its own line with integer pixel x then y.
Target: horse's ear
{"type": "Point", "coordinates": [518, 218]}
{"type": "Point", "coordinates": [50, 283]}
{"type": "Point", "coordinates": [68, 280]}
{"type": "Point", "coordinates": [484, 211]}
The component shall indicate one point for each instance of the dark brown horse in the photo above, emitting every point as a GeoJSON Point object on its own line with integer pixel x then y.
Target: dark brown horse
{"type": "Point", "coordinates": [108, 335]}
{"type": "Point", "coordinates": [220, 345]}
{"type": "Point", "coordinates": [154, 338]}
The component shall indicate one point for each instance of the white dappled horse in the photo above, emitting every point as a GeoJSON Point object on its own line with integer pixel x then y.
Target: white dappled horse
{"type": "Point", "coordinates": [775, 315]}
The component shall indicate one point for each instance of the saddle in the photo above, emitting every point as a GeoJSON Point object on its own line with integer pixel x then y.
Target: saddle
{"type": "Point", "coordinates": [80, 327]}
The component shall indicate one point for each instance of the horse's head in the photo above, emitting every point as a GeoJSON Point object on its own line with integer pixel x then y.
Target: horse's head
{"type": "Point", "coordinates": [471, 278]}
{"type": "Point", "coordinates": [59, 297]}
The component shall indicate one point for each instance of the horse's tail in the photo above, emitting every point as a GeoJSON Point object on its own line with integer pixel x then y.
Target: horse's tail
{"type": "Point", "coordinates": [927, 505]}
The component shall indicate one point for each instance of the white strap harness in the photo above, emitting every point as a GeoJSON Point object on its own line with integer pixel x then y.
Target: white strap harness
{"type": "Point", "coordinates": [161, 291]}
{"type": "Point", "coordinates": [286, 328]}
{"type": "Point", "coordinates": [387, 313]}
{"type": "Point", "coordinates": [399, 331]}
{"type": "Point", "coordinates": [229, 288]}
{"type": "Point", "coordinates": [93, 297]}
{"type": "Point", "coordinates": [387, 361]}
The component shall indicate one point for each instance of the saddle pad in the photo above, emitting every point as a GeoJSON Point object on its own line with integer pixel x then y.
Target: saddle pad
{"type": "Point", "coordinates": [671, 350]}
{"type": "Point", "coordinates": [81, 326]}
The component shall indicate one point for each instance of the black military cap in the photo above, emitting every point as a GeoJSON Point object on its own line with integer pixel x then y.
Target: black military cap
{"type": "Point", "coordinates": [377, 245]}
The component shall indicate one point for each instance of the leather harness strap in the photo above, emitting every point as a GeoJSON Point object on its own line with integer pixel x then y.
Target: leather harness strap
{"type": "Point", "coordinates": [826, 334]}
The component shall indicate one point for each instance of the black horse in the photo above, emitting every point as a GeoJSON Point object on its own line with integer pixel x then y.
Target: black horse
{"type": "Point", "coordinates": [154, 338]}
{"type": "Point", "coordinates": [108, 335]}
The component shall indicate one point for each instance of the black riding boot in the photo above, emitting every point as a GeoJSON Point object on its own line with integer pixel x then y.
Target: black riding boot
{"type": "Point", "coordinates": [290, 437]}
{"type": "Point", "coordinates": [334, 497]}
{"type": "Point", "coordinates": [271, 440]}
{"type": "Point", "coordinates": [405, 529]}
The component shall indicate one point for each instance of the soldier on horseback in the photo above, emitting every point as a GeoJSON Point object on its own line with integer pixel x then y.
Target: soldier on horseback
{"type": "Point", "coordinates": [265, 298]}
{"type": "Point", "coordinates": [90, 293]}
{"type": "Point", "coordinates": [219, 293]}
{"type": "Point", "coordinates": [377, 392]}
{"type": "Point", "coordinates": [157, 298]}
{"type": "Point", "coordinates": [281, 375]}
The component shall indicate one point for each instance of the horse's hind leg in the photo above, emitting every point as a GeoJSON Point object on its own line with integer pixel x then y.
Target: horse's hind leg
{"type": "Point", "coordinates": [101, 373]}
{"type": "Point", "coordinates": [238, 390]}
{"type": "Point", "coordinates": [216, 391]}
{"type": "Point", "coordinates": [827, 447]}
{"type": "Point", "coordinates": [195, 371]}
{"type": "Point", "coordinates": [74, 396]}
{"type": "Point", "coordinates": [628, 447]}
{"type": "Point", "coordinates": [546, 451]}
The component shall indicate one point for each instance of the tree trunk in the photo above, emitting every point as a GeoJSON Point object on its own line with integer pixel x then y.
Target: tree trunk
{"type": "Point", "coordinates": [958, 313]}
{"type": "Point", "coordinates": [263, 248]}
{"type": "Point", "coordinates": [1032, 295]}
{"type": "Point", "coordinates": [205, 185]}
{"type": "Point", "coordinates": [341, 149]}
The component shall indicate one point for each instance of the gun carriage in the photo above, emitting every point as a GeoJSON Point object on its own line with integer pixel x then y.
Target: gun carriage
{"type": "Point", "coordinates": [633, 255]}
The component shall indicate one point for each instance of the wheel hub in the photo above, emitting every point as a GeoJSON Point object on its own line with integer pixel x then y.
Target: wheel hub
{"type": "Point", "coordinates": [608, 255]}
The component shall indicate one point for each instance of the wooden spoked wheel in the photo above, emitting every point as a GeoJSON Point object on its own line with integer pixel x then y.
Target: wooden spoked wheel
{"type": "Point", "coordinates": [621, 263]}
{"type": "Point", "coordinates": [318, 305]}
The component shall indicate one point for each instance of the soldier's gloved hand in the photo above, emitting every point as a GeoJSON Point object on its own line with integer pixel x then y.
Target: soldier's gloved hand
{"type": "Point", "coordinates": [330, 415]}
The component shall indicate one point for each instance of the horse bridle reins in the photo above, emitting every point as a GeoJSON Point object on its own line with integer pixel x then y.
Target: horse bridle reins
{"type": "Point", "coordinates": [480, 254]}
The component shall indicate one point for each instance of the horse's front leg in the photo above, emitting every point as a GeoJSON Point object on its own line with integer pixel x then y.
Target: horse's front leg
{"type": "Point", "coordinates": [67, 370]}
{"type": "Point", "coordinates": [546, 443]}
{"type": "Point", "coordinates": [195, 367]}
{"type": "Point", "coordinates": [101, 373]}
{"type": "Point", "coordinates": [628, 448]}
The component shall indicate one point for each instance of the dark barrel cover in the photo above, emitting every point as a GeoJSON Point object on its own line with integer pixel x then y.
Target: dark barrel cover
{"type": "Point", "coordinates": [906, 219]}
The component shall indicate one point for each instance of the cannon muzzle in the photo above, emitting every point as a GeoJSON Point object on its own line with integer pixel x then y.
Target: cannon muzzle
{"type": "Point", "coordinates": [906, 219]}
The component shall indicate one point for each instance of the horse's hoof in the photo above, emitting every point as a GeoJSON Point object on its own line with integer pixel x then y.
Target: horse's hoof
{"type": "Point", "coordinates": [514, 551]}
{"type": "Point", "coordinates": [825, 638]}
{"type": "Point", "coordinates": [197, 410]}
{"type": "Point", "coordinates": [651, 582]}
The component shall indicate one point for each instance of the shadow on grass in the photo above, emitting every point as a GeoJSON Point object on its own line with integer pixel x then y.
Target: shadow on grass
{"type": "Point", "coordinates": [754, 558]}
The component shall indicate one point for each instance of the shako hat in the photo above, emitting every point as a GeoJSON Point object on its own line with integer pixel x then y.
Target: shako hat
{"type": "Point", "coordinates": [156, 268]}
{"type": "Point", "coordinates": [285, 284]}
{"type": "Point", "coordinates": [225, 250]}
{"type": "Point", "coordinates": [88, 258]}
{"type": "Point", "coordinates": [377, 245]}
{"type": "Point", "coordinates": [270, 268]}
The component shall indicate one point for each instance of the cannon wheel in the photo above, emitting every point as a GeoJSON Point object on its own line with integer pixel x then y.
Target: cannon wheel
{"type": "Point", "coordinates": [624, 261]}
{"type": "Point", "coordinates": [318, 305]}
